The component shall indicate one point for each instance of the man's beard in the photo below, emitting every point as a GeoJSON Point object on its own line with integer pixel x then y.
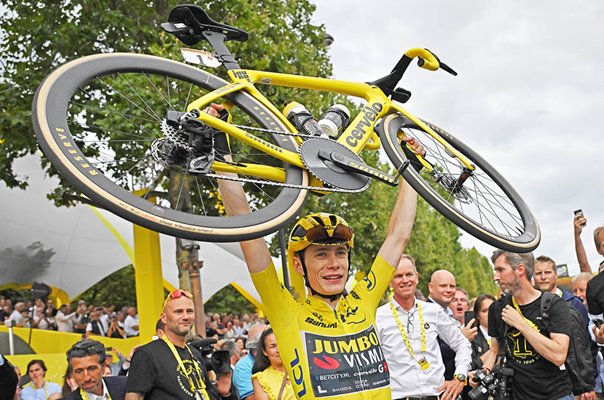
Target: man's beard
{"type": "Point", "coordinates": [512, 287]}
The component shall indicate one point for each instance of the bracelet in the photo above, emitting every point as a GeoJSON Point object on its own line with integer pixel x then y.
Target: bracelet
{"type": "Point", "coordinates": [128, 360]}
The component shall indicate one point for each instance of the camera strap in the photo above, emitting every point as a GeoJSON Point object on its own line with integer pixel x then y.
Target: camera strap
{"type": "Point", "coordinates": [195, 378]}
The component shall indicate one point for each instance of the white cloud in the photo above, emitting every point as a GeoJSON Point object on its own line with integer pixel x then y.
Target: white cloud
{"type": "Point", "coordinates": [529, 95]}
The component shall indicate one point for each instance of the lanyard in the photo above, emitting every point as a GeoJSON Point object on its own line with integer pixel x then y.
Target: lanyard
{"type": "Point", "coordinates": [422, 330]}
{"type": "Point", "coordinates": [197, 375]}
{"type": "Point", "coordinates": [45, 386]}
{"type": "Point", "coordinates": [85, 395]}
{"type": "Point", "coordinates": [531, 323]}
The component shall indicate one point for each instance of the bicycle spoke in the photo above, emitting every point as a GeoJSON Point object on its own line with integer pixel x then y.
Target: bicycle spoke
{"type": "Point", "coordinates": [479, 197]}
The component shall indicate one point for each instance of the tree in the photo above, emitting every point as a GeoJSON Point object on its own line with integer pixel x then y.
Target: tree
{"type": "Point", "coordinates": [36, 37]}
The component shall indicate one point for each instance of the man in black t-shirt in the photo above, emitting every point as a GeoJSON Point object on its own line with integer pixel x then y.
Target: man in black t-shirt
{"type": "Point", "coordinates": [531, 351]}
{"type": "Point", "coordinates": [167, 368]}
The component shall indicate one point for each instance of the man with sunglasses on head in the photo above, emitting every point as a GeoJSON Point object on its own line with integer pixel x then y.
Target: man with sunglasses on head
{"type": "Point", "coordinates": [167, 368]}
{"type": "Point", "coordinates": [328, 340]}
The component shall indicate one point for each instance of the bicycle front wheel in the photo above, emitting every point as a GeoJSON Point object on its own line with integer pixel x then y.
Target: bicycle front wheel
{"type": "Point", "coordinates": [481, 202]}
{"type": "Point", "coordinates": [101, 122]}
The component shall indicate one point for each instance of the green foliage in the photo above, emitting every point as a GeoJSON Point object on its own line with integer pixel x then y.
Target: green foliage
{"type": "Point", "coordinates": [36, 37]}
{"type": "Point", "coordinates": [117, 289]}
{"type": "Point", "coordinates": [228, 300]}
{"type": "Point", "coordinates": [434, 245]}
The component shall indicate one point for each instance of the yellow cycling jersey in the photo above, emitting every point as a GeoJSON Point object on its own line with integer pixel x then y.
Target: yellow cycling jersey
{"type": "Point", "coordinates": [332, 354]}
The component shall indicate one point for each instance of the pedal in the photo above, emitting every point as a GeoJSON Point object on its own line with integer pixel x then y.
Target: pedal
{"type": "Point", "coordinates": [350, 164]}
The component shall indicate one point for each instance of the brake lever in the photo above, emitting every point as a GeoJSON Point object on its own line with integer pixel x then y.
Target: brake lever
{"type": "Point", "coordinates": [442, 65]}
{"type": "Point", "coordinates": [447, 68]}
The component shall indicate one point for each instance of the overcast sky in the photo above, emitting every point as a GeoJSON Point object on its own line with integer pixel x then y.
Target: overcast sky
{"type": "Point", "coordinates": [529, 96]}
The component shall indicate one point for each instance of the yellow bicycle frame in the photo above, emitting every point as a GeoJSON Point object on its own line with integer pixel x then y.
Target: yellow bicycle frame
{"type": "Point", "coordinates": [359, 134]}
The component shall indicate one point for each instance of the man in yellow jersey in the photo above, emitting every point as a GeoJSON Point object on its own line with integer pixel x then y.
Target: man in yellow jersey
{"type": "Point", "coordinates": [86, 359]}
{"type": "Point", "coordinates": [328, 341]}
{"type": "Point", "coordinates": [167, 368]}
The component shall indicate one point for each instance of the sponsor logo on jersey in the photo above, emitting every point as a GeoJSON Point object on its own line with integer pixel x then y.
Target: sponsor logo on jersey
{"type": "Point", "coordinates": [345, 364]}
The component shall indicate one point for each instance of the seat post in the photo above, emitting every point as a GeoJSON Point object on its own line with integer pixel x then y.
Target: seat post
{"type": "Point", "coordinates": [223, 54]}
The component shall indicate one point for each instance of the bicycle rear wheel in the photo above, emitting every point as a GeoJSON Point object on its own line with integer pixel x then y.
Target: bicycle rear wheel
{"type": "Point", "coordinates": [99, 121]}
{"type": "Point", "coordinates": [485, 205]}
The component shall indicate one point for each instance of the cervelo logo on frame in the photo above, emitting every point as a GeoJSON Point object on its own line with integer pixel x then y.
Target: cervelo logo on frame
{"type": "Point", "coordinates": [370, 113]}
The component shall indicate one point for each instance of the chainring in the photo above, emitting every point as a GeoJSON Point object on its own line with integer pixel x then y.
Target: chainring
{"type": "Point", "coordinates": [327, 171]}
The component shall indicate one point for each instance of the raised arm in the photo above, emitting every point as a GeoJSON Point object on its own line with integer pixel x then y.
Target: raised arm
{"type": "Point", "coordinates": [256, 253]}
{"type": "Point", "coordinates": [579, 222]}
{"type": "Point", "coordinates": [401, 219]}
{"type": "Point", "coordinates": [400, 225]}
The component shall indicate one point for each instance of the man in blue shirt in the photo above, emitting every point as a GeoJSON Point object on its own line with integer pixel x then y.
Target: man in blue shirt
{"type": "Point", "coordinates": [242, 376]}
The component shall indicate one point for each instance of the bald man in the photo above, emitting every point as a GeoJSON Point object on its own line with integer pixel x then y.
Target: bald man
{"type": "Point", "coordinates": [441, 290]}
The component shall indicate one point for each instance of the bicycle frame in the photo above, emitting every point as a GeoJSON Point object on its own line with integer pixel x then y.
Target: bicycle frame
{"type": "Point", "coordinates": [359, 135]}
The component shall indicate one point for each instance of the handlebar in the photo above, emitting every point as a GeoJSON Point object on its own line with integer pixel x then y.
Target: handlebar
{"type": "Point", "coordinates": [428, 60]}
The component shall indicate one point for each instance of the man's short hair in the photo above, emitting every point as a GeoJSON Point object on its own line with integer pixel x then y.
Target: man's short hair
{"type": "Point", "coordinates": [231, 346]}
{"type": "Point", "coordinates": [597, 234]}
{"type": "Point", "coordinates": [583, 276]}
{"type": "Point", "coordinates": [411, 260]}
{"type": "Point", "coordinates": [464, 291]}
{"type": "Point", "coordinates": [515, 259]}
{"type": "Point", "coordinates": [85, 348]}
{"type": "Point", "coordinates": [546, 259]}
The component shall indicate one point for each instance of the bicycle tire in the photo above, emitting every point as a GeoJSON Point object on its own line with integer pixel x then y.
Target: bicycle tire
{"type": "Point", "coordinates": [487, 206]}
{"type": "Point", "coordinates": [80, 132]}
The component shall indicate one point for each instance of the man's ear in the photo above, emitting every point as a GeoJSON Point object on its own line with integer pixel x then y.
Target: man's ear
{"type": "Point", "coordinates": [298, 264]}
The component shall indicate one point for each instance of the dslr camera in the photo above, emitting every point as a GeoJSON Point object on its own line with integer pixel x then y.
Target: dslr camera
{"type": "Point", "coordinates": [496, 384]}
{"type": "Point", "coordinates": [218, 361]}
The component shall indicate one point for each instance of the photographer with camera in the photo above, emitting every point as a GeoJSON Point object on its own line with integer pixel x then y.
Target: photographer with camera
{"type": "Point", "coordinates": [169, 367]}
{"type": "Point", "coordinates": [532, 351]}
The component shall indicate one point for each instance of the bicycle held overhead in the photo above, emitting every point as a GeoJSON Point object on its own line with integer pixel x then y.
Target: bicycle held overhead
{"type": "Point", "coordinates": [128, 131]}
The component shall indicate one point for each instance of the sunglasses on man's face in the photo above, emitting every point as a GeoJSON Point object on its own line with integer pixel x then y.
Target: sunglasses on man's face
{"type": "Point", "coordinates": [319, 233]}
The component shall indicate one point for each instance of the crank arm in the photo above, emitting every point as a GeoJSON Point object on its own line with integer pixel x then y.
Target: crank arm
{"type": "Point", "coordinates": [352, 165]}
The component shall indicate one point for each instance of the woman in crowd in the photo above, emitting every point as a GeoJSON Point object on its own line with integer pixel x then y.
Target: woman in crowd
{"type": "Point", "coordinates": [269, 377]}
{"type": "Point", "coordinates": [39, 388]}
{"type": "Point", "coordinates": [482, 342]}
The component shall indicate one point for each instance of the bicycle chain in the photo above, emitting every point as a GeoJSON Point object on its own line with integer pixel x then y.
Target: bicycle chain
{"type": "Point", "coordinates": [172, 136]}
{"type": "Point", "coordinates": [288, 185]}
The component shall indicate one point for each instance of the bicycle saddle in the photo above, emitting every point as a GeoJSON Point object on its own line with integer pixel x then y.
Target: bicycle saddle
{"type": "Point", "coordinates": [188, 22]}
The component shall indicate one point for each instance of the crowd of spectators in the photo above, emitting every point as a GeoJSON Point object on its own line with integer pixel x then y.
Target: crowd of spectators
{"type": "Point", "coordinates": [83, 318]}
{"type": "Point", "coordinates": [460, 351]}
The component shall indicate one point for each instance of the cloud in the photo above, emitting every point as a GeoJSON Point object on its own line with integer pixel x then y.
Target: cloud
{"type": "Point", "coordinates": [529, 96]}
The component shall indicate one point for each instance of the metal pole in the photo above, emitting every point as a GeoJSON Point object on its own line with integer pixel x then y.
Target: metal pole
{"type": "Point", "coordinates": [11, 339]}
{"type": "Point", "coordinates": [283, 248]}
